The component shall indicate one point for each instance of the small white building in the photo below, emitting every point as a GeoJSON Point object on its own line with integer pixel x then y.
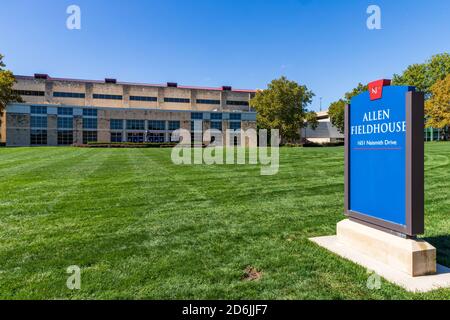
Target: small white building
{"type": "Point", "coordinates": [325, 131]}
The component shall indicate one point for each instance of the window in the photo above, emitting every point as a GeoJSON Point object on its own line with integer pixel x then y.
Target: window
{"type": "Point", "coordinates": [30, 93]}
{"type": "Point", "coordinates": [208, 101]}
{"type": "Point", "coordinates": [39, 122]}
{"type": "Point", "coordinates": [235, 116]}
{"type": "Point", "coordinates": [65, 111]}
{"type": "Point", "coordinates": [38, 137]}
{"type": "Point", "coordinates": [107, 96]}
{"type": "Point", "coordinates": [69, 95]}
{"type": "Point", "coordinates": [237, 103]}
{"type": "Point", "coordinates": [65, 123]}
{"type": "Point", "coordinates": [89, 123]}
{"type": "Point", "coordinates": [216, 116]}
{"type": "Point", "coordinates": [135, 124]}
{"type": "Point", "coordinates": [90, 112]}
{"type": "Point", "coordinates": [196, 115]}
{"type": "Point", "coordinates": [141, 98]}
{"type": "Point", "coordinates": [155, 137]}
{"type": "Point", "coordinates": [89, 136]}
{"type": "Point", "coordinates": [116, 136]}
{"type": "Point", "coordinates": [216, 125]}
{"type": "Point", "coordinates": [116, 124]}
{"type": "Point", "coordinates": [177, 100]}
{"type": "Point", "coordinates": [156, 125]}
{"type": "Point", "coordinates": [174, 125]}
{"type": "Point", "coordinates": [38, 110]}
{"type": "Point", "coordinates": [235, 125]}
{"type": "Point", "coordinates": [136, 137]}
{"type": "Point", "coordinates": [65, 137]}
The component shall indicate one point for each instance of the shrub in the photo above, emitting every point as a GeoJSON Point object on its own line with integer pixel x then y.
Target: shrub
{"type": "Point", "coordinates": [325, 144]}
{"type": "Point", "coordinates": [127, 145]}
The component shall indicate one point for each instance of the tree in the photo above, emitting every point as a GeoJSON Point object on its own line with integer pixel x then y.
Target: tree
{"type": "Point", "coordinates": [283, 106]}
{"type": "Point", "coordinates": [360, 88]}
{"type": "Point", "coordinates": [7, 81]}
{"type": "Point", "coordinates": [336, 111]}
{"type": "Point", "coordinates": [424, 75]}
{"type": "Point", "coordinates": [437, 108]}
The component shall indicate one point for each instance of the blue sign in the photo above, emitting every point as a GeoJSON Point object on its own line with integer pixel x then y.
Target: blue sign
{"type": "Point", "coordinates": [379, 157]}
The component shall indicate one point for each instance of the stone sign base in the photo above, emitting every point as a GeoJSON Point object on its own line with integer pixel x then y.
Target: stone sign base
{"type": "Point", "coordinates": [408, 263]}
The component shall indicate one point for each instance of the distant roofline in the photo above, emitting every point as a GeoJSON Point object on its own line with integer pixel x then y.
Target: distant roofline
{"type": "Point", "coordinates": [22, 77]}
{"type": "Point", "coordinates": [322, 113]}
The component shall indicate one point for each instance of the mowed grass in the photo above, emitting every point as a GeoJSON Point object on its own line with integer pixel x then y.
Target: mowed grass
{"type": "Point", "coordinates": [140, 227]}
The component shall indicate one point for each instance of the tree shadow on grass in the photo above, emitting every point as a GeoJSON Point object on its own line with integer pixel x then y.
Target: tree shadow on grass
{"type": "Point", "coordinates": [442, 245]}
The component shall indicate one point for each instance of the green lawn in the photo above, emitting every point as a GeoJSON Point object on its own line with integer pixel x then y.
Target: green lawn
{"type": "Point", "coordinates": [142, 228]}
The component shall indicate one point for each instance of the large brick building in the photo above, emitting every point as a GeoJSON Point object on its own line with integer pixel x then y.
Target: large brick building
{"type": "Point", "coordinates": [68, 111]}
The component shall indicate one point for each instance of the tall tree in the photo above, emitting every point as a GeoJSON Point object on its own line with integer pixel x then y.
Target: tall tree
{"type": "Point", "coordinates": [283, 106]}
{"type": "Point", "coordinates": [424, 75]}
{"type": "Point", "coordinates": [437, 108]}
{"type": "Point", "coordinates": [336, 111]}
{"type": "Point", "coordinates": [7, 81]}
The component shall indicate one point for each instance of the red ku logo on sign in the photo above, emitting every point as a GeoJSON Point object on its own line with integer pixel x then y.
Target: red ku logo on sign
{"type": "Point", "coordinates": [376, 88]}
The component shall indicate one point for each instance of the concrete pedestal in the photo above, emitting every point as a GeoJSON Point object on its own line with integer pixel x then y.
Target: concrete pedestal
{"type": "Point", "coordinates": [406, 262]}
{"type": "Point", "coordinates": [415, 257]}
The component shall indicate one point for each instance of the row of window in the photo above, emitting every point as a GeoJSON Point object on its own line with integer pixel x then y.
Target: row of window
{"type": "Point", "coordinates": [39, 137]}
{"type": "Point", "coordinates": [93, 113]}
{"type": "Point", "coordinates": [69, 95]}
{"type": "Point", "coordinates": [63, 122]}
{"type": "Point", "coordinates": [215, 116]}
{"type": "Point", "coordinates": [42, 110]}
{"type": "Point", "coordinates": [137, 137]}
{"type": "Point", "coordinates": [207, 101]}
{"type": "Point", "coordinates": [141, 98]}
{"type": "Point", "coordinates": [30, 93]}
{"type": "Point", "coordinates": [132, 98]}
{"type": "Point", "coordinates": [215, 125]}
{"type": "Point", "coordinates": [117, 124]}
{"type": "Point", "coordinates": [107, 96]}
{"type": "Point", "coordinates": [177, 100]}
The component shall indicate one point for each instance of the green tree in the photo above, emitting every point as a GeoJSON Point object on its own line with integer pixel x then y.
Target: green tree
{"type": "Point", "coordinates": [360, 88]}
{"type": "Point", "coordinates": [7, 81]}
{"type": "Point", "coordinates": [424, 75]}
{"type": "Point", "coordinates": [283, 106]}
{"type": "Point", "coordinates": [437, 107]}
{"type": "Point", "coordinates": [336, 111]}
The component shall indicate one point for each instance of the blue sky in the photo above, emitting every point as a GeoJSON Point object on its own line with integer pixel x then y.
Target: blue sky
{"type": "Point", "coordinates": [323, 44]}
